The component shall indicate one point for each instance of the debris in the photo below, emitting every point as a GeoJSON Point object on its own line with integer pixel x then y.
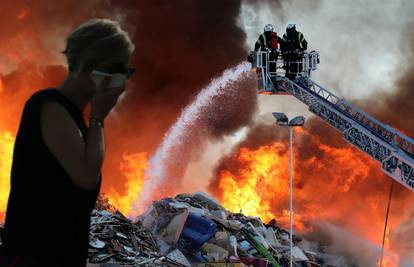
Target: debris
{"type": "Point", "coordinates": [196, 231]}
{"type": "Point", "coordinates": [177, 256]}
{"type": "Point", "coordinates": [114, 239]}
{"type": "Point", "coordinates": [190, 230]}
{"type": "Point", "coordinates": [214, 252]}
{"type": "Point", "coordinates": [260, 247]}
{"type": "Point", "coordinates": [233, 246]}
{"type": "Point", "coordinates": [298, 254]}
{"type": "Point", "coordinates": [222, 239]}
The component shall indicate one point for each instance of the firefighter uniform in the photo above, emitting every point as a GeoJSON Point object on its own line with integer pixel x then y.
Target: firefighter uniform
{"type": "Point", "coordinates": [292, 45]}
{"type": "Point", "coordinates": [265, 41]}
{"type": "Point", "coordinates": [269, 40]}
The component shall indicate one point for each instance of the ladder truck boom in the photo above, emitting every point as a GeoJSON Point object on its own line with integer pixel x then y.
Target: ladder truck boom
{"type": "Point", "coordinates": [392, 149]}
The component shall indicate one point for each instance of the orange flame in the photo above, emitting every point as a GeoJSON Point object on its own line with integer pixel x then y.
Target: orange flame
{"type": "Point", "coordinates": [133, 168]}
{"type": "Point", "coordinates": [6, 155]}
{"type": "Point", "coordinates": [331, 183]}
{"type": "Point", "coordinates": [259, 182]}
{"type": "Point", "coordinates": [390, 259]}
{"type": "Point", "coordinates": [258, 173]}
{"type": "Point", "coordinates": [1, 86]}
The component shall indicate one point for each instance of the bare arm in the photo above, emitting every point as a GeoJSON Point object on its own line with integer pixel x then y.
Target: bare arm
{"type": "Point", "coordinates": [81, 160]}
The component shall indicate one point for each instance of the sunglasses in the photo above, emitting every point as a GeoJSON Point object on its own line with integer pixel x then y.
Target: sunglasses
{"type": "Point", "coordinates": [117, 68]}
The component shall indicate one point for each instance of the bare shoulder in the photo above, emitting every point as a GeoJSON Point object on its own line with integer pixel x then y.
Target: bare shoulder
{"type": "Point", "coordinates": [51, 110]}
{"type": "Point", "coordinates": [55, 118]}
{"type": "Point", "coordinates": [59, 130]}
{"type": "Point", "coordinates": [64, 140]}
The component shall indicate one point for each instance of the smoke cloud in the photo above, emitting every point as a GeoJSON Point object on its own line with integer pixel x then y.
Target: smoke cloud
{"type": "Point", "coordinates": [180, 47]}
{"type": "Point", "coordinates": [341, 247]}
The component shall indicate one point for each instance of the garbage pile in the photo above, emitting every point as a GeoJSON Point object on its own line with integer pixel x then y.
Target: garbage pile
{"type": "Point", "coordinates": [191, 230]}
{"type": "Point", "coordinates": [117, 241]}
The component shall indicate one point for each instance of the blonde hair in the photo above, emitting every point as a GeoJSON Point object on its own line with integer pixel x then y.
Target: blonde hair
{"type": "Point", "coordinates": [96, 38]}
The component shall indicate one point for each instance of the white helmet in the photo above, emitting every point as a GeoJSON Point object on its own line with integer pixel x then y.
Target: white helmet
{"type": "Point", "coordinates": [268, 28]}
{"type": "Point", "coordinates": [290, 25]}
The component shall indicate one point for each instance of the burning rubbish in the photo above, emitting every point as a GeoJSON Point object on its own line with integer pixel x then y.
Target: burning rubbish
{"type": "Point", "coordinates": [190, 230]}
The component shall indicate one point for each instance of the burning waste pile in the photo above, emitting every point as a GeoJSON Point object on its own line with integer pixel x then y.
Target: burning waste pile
{"type": "Point", "coordinates": [115, 238]}
{"type": "Point", "coordinates": [190, 230]}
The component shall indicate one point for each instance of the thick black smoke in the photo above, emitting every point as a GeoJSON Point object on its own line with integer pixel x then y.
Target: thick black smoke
{"type": "Point", "coordinates": [180, 47]}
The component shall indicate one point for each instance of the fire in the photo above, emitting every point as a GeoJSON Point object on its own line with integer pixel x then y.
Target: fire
{"type": "Point", "coordinates": [258, 181]}
{"type": "Point", "coordinates": [335, 184]}
{"type": "Point", "coordinates": [390, 259]}
{"type": "Point", "coordinates": [261, 181]}
{"type": "Point", "coordinates": [133, 168]}
{"type": "Point", "coordinates": [6, 155]}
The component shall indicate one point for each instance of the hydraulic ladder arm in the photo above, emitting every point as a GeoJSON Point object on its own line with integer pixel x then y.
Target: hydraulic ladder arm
{"type": "Point", "coordinates": [392, 149]}
{"type": "Point", "coordinates": [381, 142]}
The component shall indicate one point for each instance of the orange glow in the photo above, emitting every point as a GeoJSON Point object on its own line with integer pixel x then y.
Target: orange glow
{"type": "Point", "coordinates": [261, 180]}
{"type": "Point", "coordinates": [336, 184]}
{"type": "Point", "coordinates": [258, 181]}
{"type": "Point", "coordinates": [390, 259]}
{"type": "Point", "coordinates": [6, 155]}
{"type": "Point", "coordinates": [1, 86]}
{"type": "Point", "coordinates": [133, 168]}
{"type": "Point", "coordinates": [22, 14]}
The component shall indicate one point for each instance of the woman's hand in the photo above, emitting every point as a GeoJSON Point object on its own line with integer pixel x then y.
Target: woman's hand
{"type": "Point", "coordinates": [105, 99]}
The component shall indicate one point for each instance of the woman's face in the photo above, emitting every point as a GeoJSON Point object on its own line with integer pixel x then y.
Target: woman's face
{"type": "Point", "coordinates": [115, 64]}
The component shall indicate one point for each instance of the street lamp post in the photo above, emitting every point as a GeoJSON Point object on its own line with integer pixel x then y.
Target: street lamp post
{"type": "Point", "coordinates": [282, 120]}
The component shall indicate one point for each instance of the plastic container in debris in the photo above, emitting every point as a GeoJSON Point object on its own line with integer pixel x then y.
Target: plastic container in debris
{"type": "Point", "coordinates": [197, 230]}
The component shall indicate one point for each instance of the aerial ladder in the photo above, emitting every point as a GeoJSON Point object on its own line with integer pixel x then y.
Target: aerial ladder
{"type": "Point", "coordinates": [394, 150]}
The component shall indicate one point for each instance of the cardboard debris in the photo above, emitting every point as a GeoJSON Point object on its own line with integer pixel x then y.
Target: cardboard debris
{"type": "Point", "coordinates": [190, 230]}
{"type": "Point", "coordinates": [114, 239]}
{"type": "Point", "coordinates": [298, 254]}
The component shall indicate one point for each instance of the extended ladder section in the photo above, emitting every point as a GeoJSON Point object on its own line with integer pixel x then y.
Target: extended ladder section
{"type": "Point", "coordinates": [391, 148]}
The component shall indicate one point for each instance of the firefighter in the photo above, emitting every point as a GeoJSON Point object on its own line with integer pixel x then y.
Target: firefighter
{"type": "Point", "coordinates": [292, 47]}
{"type": "Point", "coordinates": [269, 41]}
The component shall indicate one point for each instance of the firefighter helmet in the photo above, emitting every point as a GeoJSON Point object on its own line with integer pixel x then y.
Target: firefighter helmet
{"type": "Point", "coordinates": [291, 25]}
{"type": "Point", "coordinates": [268, 28]}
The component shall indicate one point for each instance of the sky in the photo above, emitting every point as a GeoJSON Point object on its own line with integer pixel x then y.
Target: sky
{"type": "Point", "coordinates": [358, 41]}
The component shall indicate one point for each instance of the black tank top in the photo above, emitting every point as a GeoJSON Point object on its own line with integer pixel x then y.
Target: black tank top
{"type": "Point", "coordinates": [48, 216]}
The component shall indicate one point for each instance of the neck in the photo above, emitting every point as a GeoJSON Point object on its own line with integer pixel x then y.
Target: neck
{"type": "Point", "coordinates": [71, 90]}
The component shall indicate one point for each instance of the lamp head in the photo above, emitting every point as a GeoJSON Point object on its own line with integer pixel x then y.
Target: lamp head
{"type": "Point", "coordinates": [297, 121]}
{"type": "Point", "coordinates": [281, 118]}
